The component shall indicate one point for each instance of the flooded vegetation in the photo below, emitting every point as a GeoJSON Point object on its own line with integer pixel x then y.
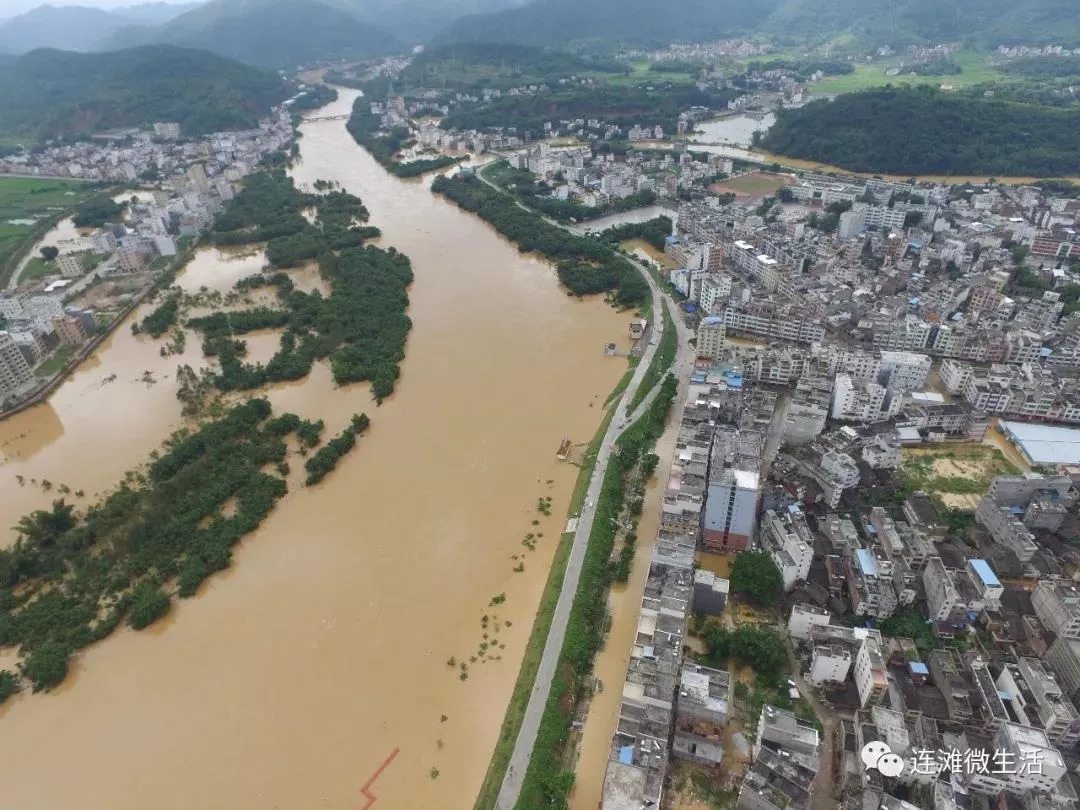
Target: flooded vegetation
{"type": "Point", "coordinates": [317, 664]}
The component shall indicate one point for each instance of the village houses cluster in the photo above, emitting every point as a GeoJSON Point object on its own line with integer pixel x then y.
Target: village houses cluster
{"type": "Point", "coordinates": [197, 178]}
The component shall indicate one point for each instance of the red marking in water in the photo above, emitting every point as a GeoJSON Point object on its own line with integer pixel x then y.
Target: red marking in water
{"type": "Point", "coordinates": [366, 789]}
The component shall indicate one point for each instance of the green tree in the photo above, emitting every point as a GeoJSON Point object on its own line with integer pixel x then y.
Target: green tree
{"type": "Point", "coordinates": [1019, 253]}
{"type": "Point", "coordinates": [149, 603]}
{"type": "Point", "coordinates": [9, 685]}
{"type": "Point", "coordinates": [49, 253]}
{"type": "Point", "coordinates": [46, 666]}
{"type": "Point", "coordinates": [755, 577]}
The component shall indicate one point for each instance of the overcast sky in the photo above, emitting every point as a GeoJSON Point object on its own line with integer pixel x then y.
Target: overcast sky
{"type": "Point", "coordinates": [9, 8]}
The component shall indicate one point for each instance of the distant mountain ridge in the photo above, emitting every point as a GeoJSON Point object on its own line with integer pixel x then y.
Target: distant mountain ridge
{"type": "Point", "coordinates": [870, 22]}
{"type": "Point", "coordinates": [49, 93]}
{"type": "Point", "coordinates": [78, 28]}
{"type": "Point", "coordinates": [269, 33]}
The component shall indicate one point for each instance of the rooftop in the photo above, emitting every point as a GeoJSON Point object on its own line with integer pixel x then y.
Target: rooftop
{"type": "Point", "coordinates": [1045, 444]}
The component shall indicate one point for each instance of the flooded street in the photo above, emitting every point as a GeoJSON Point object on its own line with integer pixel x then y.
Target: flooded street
{"type": "Point", "coordinates": [611, 663]}
{"type": "Point", "coordinates": [313, 673]}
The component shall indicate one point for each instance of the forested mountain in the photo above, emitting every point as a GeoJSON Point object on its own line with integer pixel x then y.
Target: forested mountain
{"type": "Point", "coordinates": [72, 28]}
{"type": "Point", "coordinates": [870, 22]}
{"type": "Point", "coordinates": [48, 93]}
{"type": "Point", "coordinates": [269, 33]}
{"type": "Point", "coordinates": [559, 22]}
{"type": "Point", "coordinates": [77, 28]}
{"type": "Point", "coordinates": [416, 21]}
{"type": "Point", "coordinates": [926, 131]}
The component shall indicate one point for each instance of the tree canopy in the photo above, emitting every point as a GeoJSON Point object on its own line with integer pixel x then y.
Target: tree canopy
{"type": "Point", "coordinates": [586, 266]}
{"type": "Point", "coordinates": [926, 131]}
{"type": "Point", "coordinates": [70, 579]}
{"type": "Point", "coordinates": [755, 577]}
{"type": "Point", "coordinates": [48, 93]}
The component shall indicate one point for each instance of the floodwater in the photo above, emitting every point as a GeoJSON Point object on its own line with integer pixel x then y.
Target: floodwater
{"type": "Point", "coordinates": [64, 236]}
{"type": "Point", "coordinates": [611, 663]}
{"type": "Point", "coordinates": [634, 216]}
{"type": "Point", "coordinates": [313, 673]}
{"type": "Point", "coordinates": [737, 130]}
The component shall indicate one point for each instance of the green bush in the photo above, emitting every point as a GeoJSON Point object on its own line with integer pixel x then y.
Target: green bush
{"type": "Point", "coordinates": [149, 603]}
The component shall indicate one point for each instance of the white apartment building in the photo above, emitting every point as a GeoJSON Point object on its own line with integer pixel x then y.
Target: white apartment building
{"type": "Point", "coordinates": [1038, 698]}
{"type": "Point", "coordinates": [906, 371]}
{"type": "Point", "coordinates": [1006, 528]}
{"type": "Point", "coordinates": [830, 663]}
{"type": "Point", "coordinates": [1057, 604]}
{"type": "Point", "coordinates": [805, 617]}
{"type": "Point", "coordinates": [986, 583]}
{"type": "Point", "coordinates": [713, 289]}
{"type": "Point", "coordinates": [941, 595]}
{"type": "Point", "coordinates": [858, 402]}
{"type": "Point", "coordinates": [869, 670]}
{"type": "Point", "coordinates": [788, 540]}
{"type": "Point", "coordinates": [1025, 745]}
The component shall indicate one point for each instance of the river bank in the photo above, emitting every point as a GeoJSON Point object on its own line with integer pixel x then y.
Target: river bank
{"type": "Point", "coordinates": [321, 655]}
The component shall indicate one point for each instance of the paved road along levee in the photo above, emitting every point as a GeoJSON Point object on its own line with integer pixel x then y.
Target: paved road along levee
{"type": "Point", "coordinates": [526, 739]}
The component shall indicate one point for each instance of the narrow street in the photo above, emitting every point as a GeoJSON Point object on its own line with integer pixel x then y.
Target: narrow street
{"type": "Point", "coordinates": [823, 796]}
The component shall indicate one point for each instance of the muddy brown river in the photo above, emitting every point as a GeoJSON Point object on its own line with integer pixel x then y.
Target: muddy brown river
{"type": "Point", "coordinates": [313, 674]}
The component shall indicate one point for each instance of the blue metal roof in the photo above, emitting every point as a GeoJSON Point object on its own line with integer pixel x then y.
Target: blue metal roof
{"type": "Point", "coordinates": [712, 319]}
{"type": "Point", "coordinates": [918, 667]}
{"type": "Point", "coordinates": [626, 755]}
{"type": "Point", "coordinates": [985, 573]}
{"type": "Point", "coordinates": [867, 562]}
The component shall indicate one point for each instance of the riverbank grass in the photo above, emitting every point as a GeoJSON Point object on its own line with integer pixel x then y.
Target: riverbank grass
{"type": "Point", "coordinates": [55, 364]}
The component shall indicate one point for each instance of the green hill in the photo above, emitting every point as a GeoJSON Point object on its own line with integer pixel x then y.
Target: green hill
{"type": "Point", "coordinates": [269, 33]}
{"type": "Point", "coordinates": [469, 65]}
{"type": "Point", "coordinates": [48, 93]}
{"type": "Point", "coordinates": [926, 131]}
{"type": "Point", "coordinates": [867, 22]}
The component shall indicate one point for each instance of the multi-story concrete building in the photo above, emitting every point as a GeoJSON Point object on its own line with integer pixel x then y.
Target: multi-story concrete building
{"type": "Point", "coordinates": [69, 265]}
{"type": "Point", "coordinates": [70, 330]}
{"type": "Point", "coordinates": [941, 595]}
{"type": "Point", "coordinates": [701, 714]}
{"type": "Point", "coordinates": [1037, 699]}
{"type": "Point", "coordinates": [1006, 528]}
{"type": "Point", "coordinates": [869, 670]}
{"type": "Point", "coordinates": [986, 583]}
{"type": "Point", "coordinates": [804, 618]}
{"type": "Point", "coordinates": [859, 402]}
{"type": "Point", "coordinates": [870, 584]}
{"type": "Point", "coordinates": [1057, 604]}
{"type": "Point", "coordinates": [1063, 656]}
{"type": "Point", "coordinates": [1023, 745]}
{"type": "Point", "coordinates": [787, 539]}
{"type": "Point", "coordinates": [734, 490]}
{"type": "Point", "coordinates": [905, 371]}
{"type": "Point", "coordinates": [710, 337]}
{"type": "Point", "coordinates": [15, 373]}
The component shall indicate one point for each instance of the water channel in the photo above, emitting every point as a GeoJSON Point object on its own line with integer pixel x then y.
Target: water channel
{"type": "Point", "coordinates": [316, 667]}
